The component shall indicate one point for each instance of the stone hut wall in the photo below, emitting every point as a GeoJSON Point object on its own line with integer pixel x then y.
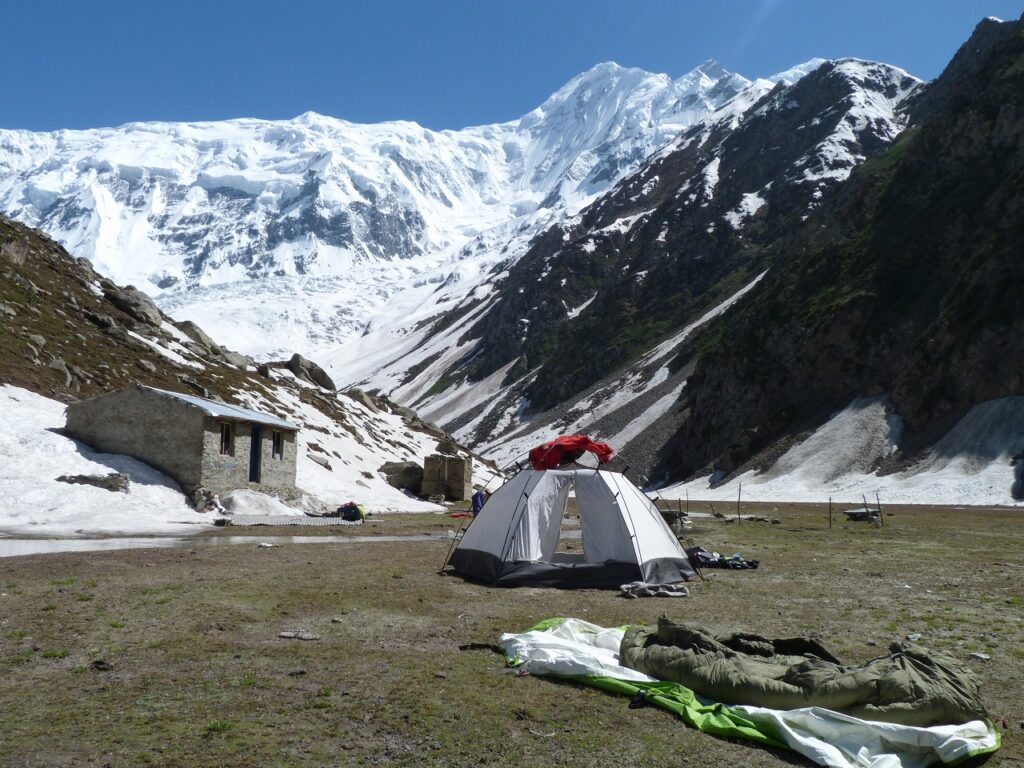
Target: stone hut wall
{"type": "Point", "coordinates": [221, 473]}
{"type": "Point", "coordinates": [163, 432]}
{"type": "Point", "coordinates": [448, 476]}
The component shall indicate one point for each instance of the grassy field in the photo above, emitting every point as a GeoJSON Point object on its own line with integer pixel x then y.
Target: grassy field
{"type": "Point", "coordinates": [172, 657]}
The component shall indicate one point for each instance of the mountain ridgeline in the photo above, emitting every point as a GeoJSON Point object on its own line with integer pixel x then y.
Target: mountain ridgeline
{"type": "Point", "coordinates": [872, 223]}
{"type": "Point", "coordinates": [696, 222]}
{"type": "Point", "coordinates": [908, 282]}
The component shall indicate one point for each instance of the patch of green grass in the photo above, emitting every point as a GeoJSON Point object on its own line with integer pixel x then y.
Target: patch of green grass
{"type": "Point", "coordinates": [53, 653]}
{"type": "Point", "coordinates": [219, 726]}
{"type": "Point", "coordinates": [66, 582]}
{"type": "Point", "coordinates": [117, 624]}
{"type": "Point", "coordinates": [16, 634]}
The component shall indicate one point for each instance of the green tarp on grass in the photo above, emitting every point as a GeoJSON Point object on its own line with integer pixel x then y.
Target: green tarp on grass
{"type": "Point", "coordinates": [587, 653]}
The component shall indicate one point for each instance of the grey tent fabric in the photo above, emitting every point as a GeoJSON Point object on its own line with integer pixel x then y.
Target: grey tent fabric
{"type": "Point", "coordinates": [910, 686]}
{"type": "Point", "coordinates": [514, 539]}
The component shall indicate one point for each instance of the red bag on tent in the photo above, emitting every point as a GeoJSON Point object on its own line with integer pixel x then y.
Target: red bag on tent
{"type": "Point", "coordinates": [566, 449]}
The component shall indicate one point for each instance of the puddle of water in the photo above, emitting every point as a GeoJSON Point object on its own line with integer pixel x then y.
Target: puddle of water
{"type": "Point", "coordinates": [17, 547]}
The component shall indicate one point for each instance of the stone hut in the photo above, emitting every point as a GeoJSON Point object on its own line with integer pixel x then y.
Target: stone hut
{"type": "Point", "coordinates": [448, 476]}
{"type": "Point", "coordinates": [200, 443]}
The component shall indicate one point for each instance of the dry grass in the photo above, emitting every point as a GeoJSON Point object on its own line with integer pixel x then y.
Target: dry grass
{"type": "Point", "coordinates": [198, 676]}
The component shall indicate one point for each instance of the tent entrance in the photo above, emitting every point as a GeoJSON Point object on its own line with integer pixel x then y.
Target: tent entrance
{"type": "Point", "coordinates": [569, 549]}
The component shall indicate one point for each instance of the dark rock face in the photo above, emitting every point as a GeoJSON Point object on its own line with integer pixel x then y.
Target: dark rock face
{"type": "Point", "coordinates": [908, 282]}
{"type": "Point", "coordinates": [701, 219]}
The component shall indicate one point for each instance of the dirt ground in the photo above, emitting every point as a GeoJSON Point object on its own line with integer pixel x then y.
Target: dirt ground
{"type": "Point", "coordinates": [172, 657]}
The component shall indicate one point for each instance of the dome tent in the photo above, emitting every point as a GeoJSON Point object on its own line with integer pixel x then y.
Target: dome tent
{"type": "Point", "coordinates": [513, 541]}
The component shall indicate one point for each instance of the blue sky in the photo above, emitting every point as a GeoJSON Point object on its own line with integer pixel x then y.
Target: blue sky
{"type": "Point", "coordinates": [89, 63]}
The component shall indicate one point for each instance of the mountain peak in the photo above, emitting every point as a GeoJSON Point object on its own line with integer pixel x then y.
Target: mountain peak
{"type": "Point", "coordinates": [712, 69]}
{"type": "Point", "coordinates": [793, 74]}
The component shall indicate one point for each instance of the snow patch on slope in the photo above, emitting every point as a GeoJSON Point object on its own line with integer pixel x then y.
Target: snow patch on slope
{"type": "Point", "coordinates": [36, 503]}
{"type": "Point", "coordinates": [973, 464]}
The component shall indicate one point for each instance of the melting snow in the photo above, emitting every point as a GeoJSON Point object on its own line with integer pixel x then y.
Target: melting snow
{"type": "Point", "coordinates": [750, 204]}
{"type": "Point", "coordinates": [972, 464]}
{"type": "Point", "coordinates": [572, 313]}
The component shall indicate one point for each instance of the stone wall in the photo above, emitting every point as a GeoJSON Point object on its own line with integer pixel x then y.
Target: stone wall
{"type": "Point", "coordinates": [161, 431]}
{"type": "Point", "coordinates": [222, 473]}
{"type": "Point", "coordinates": [448, 476]}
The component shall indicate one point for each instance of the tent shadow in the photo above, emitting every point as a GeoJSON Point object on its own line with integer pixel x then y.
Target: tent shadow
{"type": "Point", "coordinates": [137, 472]}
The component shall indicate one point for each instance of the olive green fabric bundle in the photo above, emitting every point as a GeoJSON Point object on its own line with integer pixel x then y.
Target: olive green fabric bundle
{"type": "Point", "coordinates": [911, 686]}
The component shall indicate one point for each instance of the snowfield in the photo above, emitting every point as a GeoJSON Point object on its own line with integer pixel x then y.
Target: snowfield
{"type": "Point", "coordinates": [972, 465]}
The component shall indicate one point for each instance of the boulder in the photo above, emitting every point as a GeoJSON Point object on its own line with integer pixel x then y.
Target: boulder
{"type": "Point", "coordinates": [447, 446]}
{"type": "Point", "coordinates": [135, 304]}
{"type": "Point", "coordinates": [310, 371]}
{"type": "Point", "coordinates": [235, 358]}
{"type": "Point", "coordinates": [318, 460]}
{"type": "Point", "coordinates": [100, 320]}
{"type": "Point", "coordinates": [58, 365]}
{"type": "Point", "coordinates": [195, 333]}
{"type": "Point", "coordinates": [14, 251]}
{"type": "Point", "coordinates": [114, 482]}
{"type": "Point", "coordinates": [404, 475]}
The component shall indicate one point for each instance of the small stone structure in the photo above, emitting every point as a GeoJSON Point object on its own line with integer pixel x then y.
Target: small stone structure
{"type": "Point", "coordinates": [203, 444]}
{"type": "Point", "coordinates": [448, 476]}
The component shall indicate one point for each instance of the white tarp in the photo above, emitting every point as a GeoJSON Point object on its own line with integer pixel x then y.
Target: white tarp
{"type": "Point", "coordinates": [829, 738]}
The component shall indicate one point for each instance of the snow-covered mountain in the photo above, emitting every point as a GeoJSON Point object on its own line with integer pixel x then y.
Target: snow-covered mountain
{"type": "Point", "coordinates": [577, 334]}
{"type": "Point", "coordinates": [327, 219]}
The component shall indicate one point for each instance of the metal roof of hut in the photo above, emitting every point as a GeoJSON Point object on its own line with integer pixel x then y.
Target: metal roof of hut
{"type": "Point", "coordinates": [226, 411]}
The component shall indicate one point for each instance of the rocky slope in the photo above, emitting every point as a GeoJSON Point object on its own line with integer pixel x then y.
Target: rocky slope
{"type": "Point", "coordinates": [69, 333]}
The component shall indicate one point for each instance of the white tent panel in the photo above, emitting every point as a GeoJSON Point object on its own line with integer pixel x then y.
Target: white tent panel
{"type": "Point", "coordinates": [536, 532]}
{"type": "Point", "coordinates": [606, 534]}
{"type": "Point", "coordinates": [489, 532]}
{"type": "Point", "coordinates": [654, 539]}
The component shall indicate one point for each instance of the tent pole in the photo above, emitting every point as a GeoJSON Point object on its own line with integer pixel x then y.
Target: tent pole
{"type": "Point", "coordinates": [451, 547]}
